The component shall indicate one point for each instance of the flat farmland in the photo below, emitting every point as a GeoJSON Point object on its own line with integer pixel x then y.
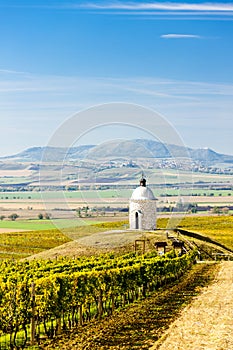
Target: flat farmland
{"type": "Point", "coordinates": [98, 193]}
{"type": "Point", "coordinates": [65, 204]}
{"type": "Point", "coordinates": [100, 174]}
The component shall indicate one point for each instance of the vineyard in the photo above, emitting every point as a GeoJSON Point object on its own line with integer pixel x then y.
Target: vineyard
{"type": "Point", "coordinates": [218, 228]}
{"type": "Point", "coordinates": [18, 245]}
{"type": "Point", "coordinates": [41, 299]}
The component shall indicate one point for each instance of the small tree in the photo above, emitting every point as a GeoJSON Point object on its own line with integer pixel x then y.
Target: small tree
{"type": "Point", "coordinates": [13, 216]}
{"type": "Point", "coordinates": [225, 210]}
{"type": "Point", "coordinates": [216, 210]}
{"type": "Point", "coordinates": [40, 216]}
{"type": "Point", "coordinates": [79, 212]}
{"type": "Point", "coordinates": [2, 217]}
{"type": "Point", "coordinates": [47, 216]}
{"type": "Point", "coordinates": [86, 211]}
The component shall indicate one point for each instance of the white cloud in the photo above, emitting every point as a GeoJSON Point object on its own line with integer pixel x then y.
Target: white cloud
{"type": "Point", "coordinates": [180, 36]}
{"type": "Point", "coordinates": [8, 71]}
{"type": "Point", "coordinates": [134, 6]}
{"type": "Point", "coordinates": [225, 7]}
{"type": "Point", "coordinates": [163, 10]}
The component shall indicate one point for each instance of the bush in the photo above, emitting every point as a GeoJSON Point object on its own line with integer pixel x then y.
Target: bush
{"type": "Point", "coordinates": [13, 216]}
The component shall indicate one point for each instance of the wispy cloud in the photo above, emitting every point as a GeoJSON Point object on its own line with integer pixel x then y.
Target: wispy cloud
{"type": "Point", "coordinates": [30, 101]}
{"type": "Point", "coordinates": [9, 71]}
{"type": "Point", "coordinates": [180, 36]}
{"type": "Point", "coordinates": [30, 89]}
{"type": "Point", "coordinates": [163, 10]}
{"type": "Point", "coordinates": [132, 5]}
{"type": "Point", "coordinates": [176, 6]}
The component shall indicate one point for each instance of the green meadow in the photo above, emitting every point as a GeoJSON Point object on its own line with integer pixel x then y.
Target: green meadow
{"type": "Point", "coordinates": [34, 225]}
{"type": "Point", "coordinates": [108, 193]}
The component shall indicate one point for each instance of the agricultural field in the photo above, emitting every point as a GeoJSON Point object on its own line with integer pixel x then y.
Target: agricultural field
{"type": "Point", "coordinates": [99, 193]}
{"type": "Point", "coordinates": [102, 174]}
{"type": "Point", "coordinates": [66, 205]}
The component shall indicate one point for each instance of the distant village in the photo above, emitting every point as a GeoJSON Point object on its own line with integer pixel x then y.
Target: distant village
{"type": "Point", "coordinates": [98, 167]}
{"type": "Point", "coordinates": [175, 164]}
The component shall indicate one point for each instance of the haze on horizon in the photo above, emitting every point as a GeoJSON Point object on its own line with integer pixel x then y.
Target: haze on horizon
{"type": "Point", "coordinates": [60, 58]}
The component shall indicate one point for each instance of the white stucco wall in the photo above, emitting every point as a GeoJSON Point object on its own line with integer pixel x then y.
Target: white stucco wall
{"type": "Point", "coordinates": [146, 210]}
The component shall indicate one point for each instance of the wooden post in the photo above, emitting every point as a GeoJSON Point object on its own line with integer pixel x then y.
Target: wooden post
{"type": "Point", "coordinates": [58, 326]}
{"type": "Point", "coordinates": [124, 299]}
{"type": "Point", "coordinates": [80, 309]}
{"type": "Point", "coordinates": [143, 247]}
{"type": "Point", "coordinates": [33, 320]}
{"type": "Point", "coordinates": [100, 305]}
{"type": "Point", "coordinates": [113, 303]}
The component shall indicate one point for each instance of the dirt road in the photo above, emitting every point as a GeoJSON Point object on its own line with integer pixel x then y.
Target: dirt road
{"type": "Point", "coordinates": [207, 324]}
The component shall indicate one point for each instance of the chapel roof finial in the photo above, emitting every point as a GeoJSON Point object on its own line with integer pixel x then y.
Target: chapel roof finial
{"type": "Point", "coordinates": [143, 180]}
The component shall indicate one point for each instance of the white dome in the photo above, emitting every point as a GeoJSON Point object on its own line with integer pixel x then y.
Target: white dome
{"type": "Point", "coordinates": [143, 193]}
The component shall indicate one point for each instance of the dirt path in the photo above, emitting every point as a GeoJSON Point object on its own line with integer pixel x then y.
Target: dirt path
{"type": "Point", "coordinates": [207, 324]}
{"type": "Point", "coordinates": [7, 230]}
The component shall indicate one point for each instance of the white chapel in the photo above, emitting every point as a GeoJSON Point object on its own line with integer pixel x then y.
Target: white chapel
{"type": "Point", "coordinates": [142, 208]}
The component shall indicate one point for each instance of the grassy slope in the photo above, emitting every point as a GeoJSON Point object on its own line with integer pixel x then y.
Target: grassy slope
{"type": "Point", "coordinates": [22, 244]}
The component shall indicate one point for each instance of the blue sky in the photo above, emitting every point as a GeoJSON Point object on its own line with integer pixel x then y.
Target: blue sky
{"type": "Point", "coordinates": [60, 57]}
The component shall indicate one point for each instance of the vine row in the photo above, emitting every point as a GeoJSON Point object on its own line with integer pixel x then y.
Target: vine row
{"type": "Point", "coordinates": [43, 299]}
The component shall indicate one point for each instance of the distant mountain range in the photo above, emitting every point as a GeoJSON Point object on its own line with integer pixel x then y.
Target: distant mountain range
{"type": "Point", "coordinates": [132, 149]}
{"type": "Point", "coordinates": [50, 154]}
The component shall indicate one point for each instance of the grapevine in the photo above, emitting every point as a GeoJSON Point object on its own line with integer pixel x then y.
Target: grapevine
{"type": "Point", "coordinates": [59, 295]}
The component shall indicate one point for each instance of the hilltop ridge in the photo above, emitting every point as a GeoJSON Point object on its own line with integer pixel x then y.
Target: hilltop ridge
{"type": "Point", "coordinates": [138, 148]}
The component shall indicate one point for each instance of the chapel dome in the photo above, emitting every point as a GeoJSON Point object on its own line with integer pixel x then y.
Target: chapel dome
{"type": "Point", "coordinates": [143, 193]}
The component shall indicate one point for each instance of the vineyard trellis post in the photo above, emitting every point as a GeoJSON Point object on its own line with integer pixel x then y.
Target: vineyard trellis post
{"type": "Point", "coordinates": [143, 245]}
{"type": "Point", "coordinates": [100, 304]}
{"type": "Point", "coordinates": [80, 314]}
{"type": "Point", "coordinates": [33, 319]}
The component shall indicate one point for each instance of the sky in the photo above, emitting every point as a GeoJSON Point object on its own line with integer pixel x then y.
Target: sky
{"type": "Point", "coordinates": [58, 58]}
